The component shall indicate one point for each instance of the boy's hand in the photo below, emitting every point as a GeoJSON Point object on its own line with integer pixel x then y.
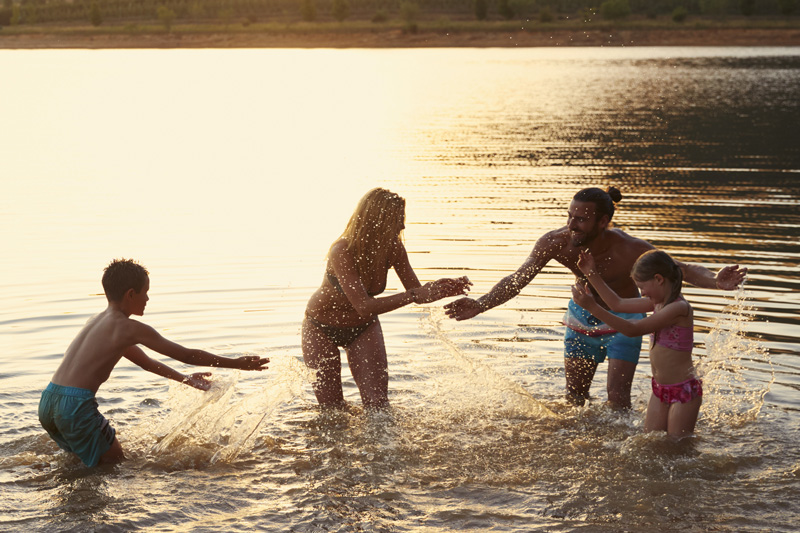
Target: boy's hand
{"type": "Point", "coordinates": [251, 362]}
{"type": "Point", "coordinates": [198, 380]}
{"type": "Point", "coordinates": [586, 263]}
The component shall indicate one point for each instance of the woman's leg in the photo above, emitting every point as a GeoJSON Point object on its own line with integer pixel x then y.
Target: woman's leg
{"type": "Point", "coordinates": [683, 417]}
{"type": "Point", "coordinates": [322, 355]}
{"type": "Point", "coordinates": [368, 364]}
{"type": "Point", "coordinates": [657, 415]}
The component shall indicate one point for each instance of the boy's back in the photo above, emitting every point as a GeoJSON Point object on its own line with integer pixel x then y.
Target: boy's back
{"type": "Point", "coordinates": [94, 352]}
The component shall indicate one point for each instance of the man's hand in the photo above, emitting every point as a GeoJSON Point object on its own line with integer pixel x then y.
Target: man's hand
{"type": "Point", "coordinates": [730, 277]}
{"type": "Point", "coordinates": [198, 380]}
{"type": "Point", "coordinates": [463, 309]}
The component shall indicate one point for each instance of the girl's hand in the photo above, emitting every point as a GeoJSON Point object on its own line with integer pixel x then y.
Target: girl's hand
{"type": "Point", "coordinates": [582, 296]}
{"type": "Point", "coordinates": [198, 380]}
{"type": "Point", "coordinates": [441, 288]}
{"type": "Point", "coordinates": [586, 263]}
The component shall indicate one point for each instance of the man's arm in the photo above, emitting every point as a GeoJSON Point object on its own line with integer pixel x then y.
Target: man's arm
{"type": "Point", "coordinates": [728, 278]}
{"type": "Point", "coordinates": [511, 285]}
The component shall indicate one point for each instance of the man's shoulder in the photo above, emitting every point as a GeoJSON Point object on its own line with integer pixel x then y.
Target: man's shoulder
{"type": "Point", "coordinates": [621, 238]}
{"type": "Point", "coordinates": [557, 238]}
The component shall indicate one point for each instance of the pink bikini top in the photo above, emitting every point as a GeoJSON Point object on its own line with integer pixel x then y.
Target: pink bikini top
{"type": "Point", "coordinates": [679, 338]}
{"type": "Point", "coordinates": [674, 337]}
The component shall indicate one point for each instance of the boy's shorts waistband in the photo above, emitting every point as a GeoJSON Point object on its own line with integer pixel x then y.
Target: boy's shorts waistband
{"type": "Point", "coordinates": [69, 391]}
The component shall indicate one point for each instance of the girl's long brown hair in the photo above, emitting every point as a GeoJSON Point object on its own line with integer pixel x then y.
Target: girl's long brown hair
{"type": "Point", "coordinates": [657, 262]}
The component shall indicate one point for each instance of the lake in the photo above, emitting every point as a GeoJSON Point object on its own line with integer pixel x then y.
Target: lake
{"type": "Point", "coordinates": [228, 173]}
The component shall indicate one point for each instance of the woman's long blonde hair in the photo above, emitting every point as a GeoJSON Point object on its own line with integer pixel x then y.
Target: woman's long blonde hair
{"type": "Point", "coordinates": [373, 230]}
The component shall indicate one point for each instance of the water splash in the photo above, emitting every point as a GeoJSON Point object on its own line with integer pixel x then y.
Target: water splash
{"type": "Point", "coordinates": [226, 418]}
{"type": "Point", "coordinates": [483, 378]}
{"type": "Point", "coordinates": [734, 391]}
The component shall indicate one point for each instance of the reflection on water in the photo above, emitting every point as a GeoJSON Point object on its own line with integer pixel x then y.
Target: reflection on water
{"type": "Point", "coordinates": [228, 173]}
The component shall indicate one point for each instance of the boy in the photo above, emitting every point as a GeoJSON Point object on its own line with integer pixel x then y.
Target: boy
{"type": "Point", "coordinates": [68, 409]}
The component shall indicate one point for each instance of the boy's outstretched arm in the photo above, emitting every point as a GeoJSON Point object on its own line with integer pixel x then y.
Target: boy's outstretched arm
{"type": "Point", "coordinates": [148, 336]}
{"type": "Point", "coordinates": [137, 356]}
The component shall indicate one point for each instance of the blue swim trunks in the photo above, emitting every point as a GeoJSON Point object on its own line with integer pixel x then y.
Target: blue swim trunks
{"type": "Point", "coordinates": [589, 338]}
{"type": "Point", "coordinates": [71, 418]}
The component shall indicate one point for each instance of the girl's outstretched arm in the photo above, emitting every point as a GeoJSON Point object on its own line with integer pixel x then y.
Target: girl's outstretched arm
{"type": "Point", "coordinates": [615, 303]}
{"type": "Point", "coordinates": [630, 328]}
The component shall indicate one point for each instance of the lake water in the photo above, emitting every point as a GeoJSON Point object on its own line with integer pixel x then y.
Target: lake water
{"type": "Point", "coordinates": [228, 173]}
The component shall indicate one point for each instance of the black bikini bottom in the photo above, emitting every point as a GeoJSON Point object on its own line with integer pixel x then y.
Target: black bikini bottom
{"type": "Point", "coordinates": [342, 336]}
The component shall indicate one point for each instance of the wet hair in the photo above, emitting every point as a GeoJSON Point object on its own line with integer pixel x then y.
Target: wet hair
{"type": "Point", "coordinates": [372, 231]}
{"type": "Point", "coordinates": [603, 200]}
{"type": "Point", "coordinates": [121, 275]}
{"type": "Point", "coordinates": [657, 262]}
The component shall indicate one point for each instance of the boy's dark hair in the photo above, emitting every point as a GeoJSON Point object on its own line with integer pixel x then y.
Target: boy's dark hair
{"type": "Point", "coordinates": [121, 275]}
{"type": "Point", "coordinates": [603, 200]}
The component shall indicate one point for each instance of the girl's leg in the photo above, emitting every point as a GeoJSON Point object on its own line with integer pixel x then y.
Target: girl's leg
{"type": "Point", "coordinates": [367, 359]}
{"type": "Point", "coordinates": [657, 416]}
{"type": "Point", "coordinates": [322, 355]}
{"type": "Point", "coordinates": [683, 417]}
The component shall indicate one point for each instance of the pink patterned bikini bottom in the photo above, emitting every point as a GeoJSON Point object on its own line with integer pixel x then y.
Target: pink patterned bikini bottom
{"type": "Point", "coordinates": [683, 392]}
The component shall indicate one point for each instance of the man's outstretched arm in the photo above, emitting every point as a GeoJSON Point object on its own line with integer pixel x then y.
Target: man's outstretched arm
{"type": "Point", "coordinates": [508, 287]}
{"type": "Point", "coordinates": [728, 278]}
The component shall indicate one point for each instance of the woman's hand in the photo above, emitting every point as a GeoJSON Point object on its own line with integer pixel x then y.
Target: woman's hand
{"type": "Point", "coordinates": [582, 296]}
{"type": "Point", "coordinates": [441, 288]}
{"type": "Point", "coordinates": [586, 263]}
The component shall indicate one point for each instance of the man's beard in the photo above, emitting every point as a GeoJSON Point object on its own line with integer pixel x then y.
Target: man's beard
{"type": "Point", "coordinates": [584, 238]}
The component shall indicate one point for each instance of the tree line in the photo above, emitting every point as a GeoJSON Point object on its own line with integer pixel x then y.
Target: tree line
{"type": "Point", "coordinates": [97, 12]}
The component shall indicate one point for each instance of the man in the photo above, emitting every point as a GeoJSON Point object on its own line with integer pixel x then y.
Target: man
{"type": "Point", "coordinates": [587, 340]}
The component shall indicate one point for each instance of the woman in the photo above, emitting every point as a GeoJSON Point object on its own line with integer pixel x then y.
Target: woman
{"type": "Point", "coordinates": [344, 311]}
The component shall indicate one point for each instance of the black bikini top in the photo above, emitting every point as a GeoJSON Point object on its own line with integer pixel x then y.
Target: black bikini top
{"type": "Point", "coordinates": [336, 285]}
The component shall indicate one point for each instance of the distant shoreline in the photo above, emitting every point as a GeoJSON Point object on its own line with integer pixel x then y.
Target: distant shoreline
{"type": "Point", "coordinates": [395, 38]}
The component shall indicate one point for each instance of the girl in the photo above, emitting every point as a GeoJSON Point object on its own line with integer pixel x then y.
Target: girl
{"type": "Point", "coordinates": [344, 311]}
{"type": "Point", "coordinates": [677, 393]}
